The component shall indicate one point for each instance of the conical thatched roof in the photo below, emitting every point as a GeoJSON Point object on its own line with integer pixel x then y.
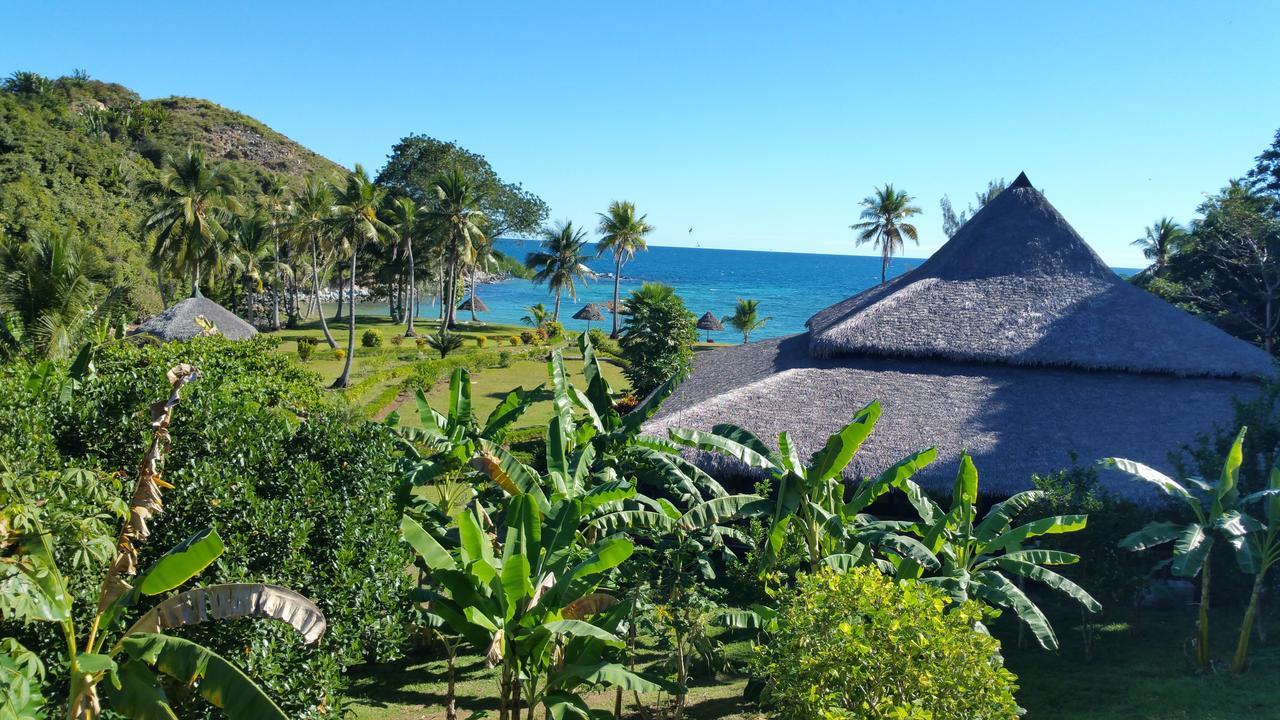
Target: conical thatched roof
{"type": "Point", "coordinates": [709, 322]}
{"type": "Point", "coordinates": [480, 306]}
{"type": "Point", "coordinates": [1018, 285]}
{"type": "Point", "coordinates": [1014, 342]}
{"type": "Point", "coordinates": [589, 312]}
{"type": "Point", "coordinates": [179, 321]}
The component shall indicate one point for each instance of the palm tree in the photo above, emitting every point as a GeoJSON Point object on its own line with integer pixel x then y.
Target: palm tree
{"type": "Point", "coordinates": [884, 216]}
{"type": "Point", "coordinates": [621, 233]}
{"type": "Point", "coordinates": [309, 222]}
{"type": "Point", "coordinates": [408, 220]}
{"type": "Point", "coordinates": [193, 199]}
{"type": "Point", "coordinates": [482, 258]}
{"type": "Point", "coordinates": [251, 250]}
{"type": "Point", "coordinates": [561, 261]}
{"type": "Point", "coordinates": [355, 220]}
{"type": "Point", "coordinates": [746, 318]}
{"type": "Point", "coordinates": [1162, 239]}
{"type": "Point", "coordinates": [537, 316]}
{"type": "Point", "coordinates": [51, 284]}
{"type": "Point", "coordinates": [274, 202]}
{"type": "Point", "coordinates": [460, 222]}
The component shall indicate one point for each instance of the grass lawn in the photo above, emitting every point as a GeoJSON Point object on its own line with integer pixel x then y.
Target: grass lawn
{"type": "Point", "coordinates": [1138, 672]}
{"type": "Point", "coordinates": [387, 366]}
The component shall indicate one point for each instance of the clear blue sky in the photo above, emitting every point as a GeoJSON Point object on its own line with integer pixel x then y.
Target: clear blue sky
{"type": "Point", "coordinates": [759, 125]}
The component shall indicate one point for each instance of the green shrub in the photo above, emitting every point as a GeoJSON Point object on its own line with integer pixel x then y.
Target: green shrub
{"type": "Point", "coordinates": [860, 645]}
{"type": "Point", "coordinates": [480, 341]}
{"type": "Point", "coordinates": [371, 338]}
{"type": "Point", "coordinates": [397, 339]}
{"type": "Point", "coordinates": [554, 330]}
{"type": "Point", "coordinates": [603, 343]}
{"type": "Point", "coordinates": [527, 337]}
{"type": "Point", "coordinates": [504, 359]}
{"type": "Point", "coordinates": [658, 337]}
{"type": "Point", "coordinates": [301, 503]}
{"type": "Point", "coordinates": [516, 341]}
{"type": "Point", "coordinates": [340, 354]}
{"type": "Point", "coordinates": [420, 341]}
{"type": "Point", "coordinates": [304, 350]}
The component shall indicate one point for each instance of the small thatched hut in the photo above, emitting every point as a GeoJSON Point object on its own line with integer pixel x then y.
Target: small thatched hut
{"type": "Point", "coordinates": [589, 312]}
{"type": "Point", "coordinates": [479, 305]}
{"type": "Point", "coordinates": [710, 323]}
{"type": "Point", "coordinates": [179, 322]}
{"type": "Point", "coordinates": [1013, 341]}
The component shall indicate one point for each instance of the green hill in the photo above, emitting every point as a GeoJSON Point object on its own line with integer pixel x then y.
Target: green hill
{"type": "Point", "coordinates": [74, 150]}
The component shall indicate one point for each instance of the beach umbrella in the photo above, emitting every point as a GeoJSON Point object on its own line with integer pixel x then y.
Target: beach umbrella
{"type": "Point", "coordinates": [588, 312]}
{"type": "Point", "coordinates": [709, 323]}
{"type": "Point", "coordinates": [479, 305]}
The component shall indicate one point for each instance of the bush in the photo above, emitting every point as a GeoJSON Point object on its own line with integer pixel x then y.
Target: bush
{"type": "Point", "coordinates": [420, 341]}
{"type": "Point", "coordinates": [371, 338]}
{"type": "Point", "coordinates": [516, 341]}
{"type": "Point", "coordinates": [658, 337]}
{"type": "Point", "coordinates": [527, 337]}
{"type": "Point", "coordinates": [480, 341]}
{"type": "Point", "coordinates": [305, 349]}
{"type": "Point", "coordinates": [397, 340]}
{"type": "Point", "coordinates": [603, 343]}
{"type": "Point", "coordinates": [860, 645]}
{"type": "Point", "coordinates": [340, 354]}
{"type": "Point", "coordinates": [301, 503]}
{"type": "Point", "coordinates": [504, 359]}
{"type": "Point", "coordinates": [554, 330]}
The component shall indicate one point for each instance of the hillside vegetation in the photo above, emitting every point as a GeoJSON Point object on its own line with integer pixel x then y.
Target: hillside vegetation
{"type": "Point", "coordinates": [74, 150]}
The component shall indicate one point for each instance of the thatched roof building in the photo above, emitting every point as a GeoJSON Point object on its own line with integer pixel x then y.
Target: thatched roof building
{"type": "Point", "coordinates": [1013, 341]}
{"type": "Point", "coordinates": [179, 322]}
{"type": "Point", "coordinates": [479, 305]}
{"type": "Point", "coordinates": [589, 312]}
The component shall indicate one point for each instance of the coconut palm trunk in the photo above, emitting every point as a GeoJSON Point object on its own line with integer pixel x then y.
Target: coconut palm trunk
{"type": "Point", "coordinates": [473, 296]}
{"type": "Point", "coordinates": [195, 282]}
{"type": "Point", "coordinates": [617, 277]}
{"type": "Point", "coordinates": [884, 264]}
{"type": "Point", "coordinates": [411, 295]}
{"type": "Point", "coordinates": [555, 315]}
{"type": "Point", "coordinates": [343, 379]}
{"type": "Point", "coordinates": [315, 289]}
{"type": "Point", "coordinates": [275, 286]}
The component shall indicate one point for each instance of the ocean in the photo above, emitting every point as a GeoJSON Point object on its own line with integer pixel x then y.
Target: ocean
{"type": "Point", "coordinates": [790, 287]}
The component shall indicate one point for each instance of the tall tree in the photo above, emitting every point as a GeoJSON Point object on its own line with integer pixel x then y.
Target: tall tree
{"type": "Point", "coordinates": [623, 234]}
{"type": "Point", "coordinates": [1265, 175]}
{"type": "Point", "coordinates": [408, 221]}
{"type": "Point", "coordinates": [355, 219]}
{"type": "Point", "coordinates": [952, 221]}
{"type": "Point", "coordinates": [310, 222]}
{"type": "Point", "coordinates": [884, 223]}
{"type": "Point", "coordinates": [457, 216]}
{"type": "Point", "coordinates": [192, 198]}
{"type": "Point", "coordinates": [1229, 267]}
{"type": "Point", "coordinates": [561, 261]}
{"type": "Point", "coordinates": [746, 318]}
{"type": "Point", "coordinates": [273, 201]}
{"type": "Point", "coordinates": [1161, 240]}
{"type": "Point", "coordinates": [250, 251]}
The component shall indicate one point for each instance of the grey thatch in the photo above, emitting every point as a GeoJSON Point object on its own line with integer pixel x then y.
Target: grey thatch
{"type": "Point", "coordinates": [179, 321]}
{"type": "Point", "coordinates": [589, 312]}
{"type": "Point", "coordinates": [480, 306]}
{"type": "Point", "coordinates": [709, 322]}
{"type": "Point", "coordinates": [1017, 285]}
{"type": "Point", "coordinates": [1013, 342]}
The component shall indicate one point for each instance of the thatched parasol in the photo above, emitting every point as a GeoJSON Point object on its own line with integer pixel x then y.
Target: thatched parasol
{"type": "Point", "coordinates": [588, 312]}
{"type": "Point", "coordinates": [1013, 342]}
{"type": "Point", "coordinates": [710, 323]}
{"type": "Point", "coordinates": [179, 322]}
{"type": "Point", "coordinates": [479, 305]}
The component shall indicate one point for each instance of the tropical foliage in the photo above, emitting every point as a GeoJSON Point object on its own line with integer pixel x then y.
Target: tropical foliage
{"type": "Point", "coordinates": [623, 234]}
{"type": "Point", "coordinates": [746, 318]}
{"type": "Point", "coordinates": [560, 263]}
{"type": "Point", "coordinates": [657, 337]}
{"type": "Point", "coordinates": [884, 223]}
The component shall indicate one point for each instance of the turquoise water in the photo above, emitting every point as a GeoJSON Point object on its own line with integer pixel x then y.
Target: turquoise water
{"type": "Point", "coordinates": [791, 287]}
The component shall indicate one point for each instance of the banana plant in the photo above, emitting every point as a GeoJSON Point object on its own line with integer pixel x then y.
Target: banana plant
{"type": "Point", "coordinates": [524, 597]}
{"type": "Point", "coordinates": [810, 501]}
{"type": "Point", "coordinates": [1215, 513]}
{"type": "Point", "coordinates": [453, 439]}
{"type": "Point", "coordinates": [978, 555]}
{"type": "Point", "coordinates": [124, 672]}
{"type": "Point", "coordinates": [1261, 551]}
